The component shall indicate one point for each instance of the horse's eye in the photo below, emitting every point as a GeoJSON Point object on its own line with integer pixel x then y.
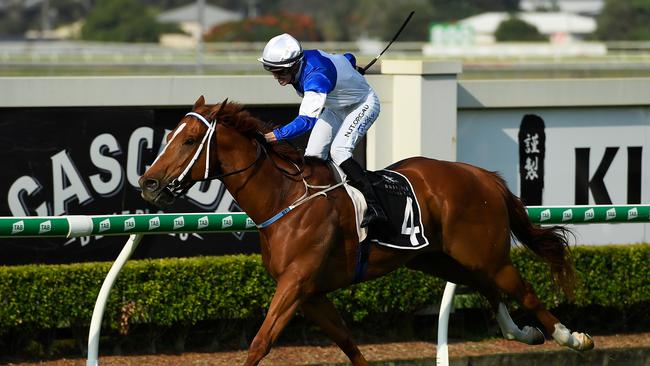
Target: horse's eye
{"type": "Point", "coordinates": [189, 141]}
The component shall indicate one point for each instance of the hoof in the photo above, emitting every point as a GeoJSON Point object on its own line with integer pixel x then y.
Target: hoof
{"type": "Point", "coordinates": [585, 342]}
{"type": "Point", "coordinates": [534, 336]}
{"type": "Point", "coordinates": [576, 341]}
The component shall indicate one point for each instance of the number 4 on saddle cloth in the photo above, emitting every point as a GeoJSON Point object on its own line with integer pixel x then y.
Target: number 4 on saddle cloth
{"type": "Point", "coordinates": [404, 229]}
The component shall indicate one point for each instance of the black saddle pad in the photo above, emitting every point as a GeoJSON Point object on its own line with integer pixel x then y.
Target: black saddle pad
{"type": "Point", "coordinates": [404, 229]}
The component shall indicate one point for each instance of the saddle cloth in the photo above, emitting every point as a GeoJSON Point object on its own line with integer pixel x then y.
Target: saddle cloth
{"type": "Point", "coordinates": [404, 229]}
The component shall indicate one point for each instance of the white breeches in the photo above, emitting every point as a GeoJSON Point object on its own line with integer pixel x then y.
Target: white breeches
{"type": "Point", "coordinates": [337, 133]}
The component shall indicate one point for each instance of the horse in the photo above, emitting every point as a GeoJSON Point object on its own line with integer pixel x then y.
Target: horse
{"type": "Point", "coordinates": [469, 217]}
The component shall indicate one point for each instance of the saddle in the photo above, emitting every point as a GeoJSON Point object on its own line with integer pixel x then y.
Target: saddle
{"type": "Point", "coordinates": [404, 229]}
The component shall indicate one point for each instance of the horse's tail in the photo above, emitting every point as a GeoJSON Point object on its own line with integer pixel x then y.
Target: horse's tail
{"type": "Point", "coordinates": [549, 243]}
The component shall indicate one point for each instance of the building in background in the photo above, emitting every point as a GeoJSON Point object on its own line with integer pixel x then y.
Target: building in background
{"type": "Point", "coordinates": [582, 7]}
{"type": "Point", "coordinates": [475, 36]}
{"type": "Point", "coordinates": [558, 27]}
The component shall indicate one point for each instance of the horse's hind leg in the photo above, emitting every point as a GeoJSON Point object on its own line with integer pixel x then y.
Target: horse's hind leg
{"type": "Point", "coordinates": [443, 266]}
{"type": "Point", "coordinates": [509, 280]}
{"type": "Point", "coordinates": [321, 311]}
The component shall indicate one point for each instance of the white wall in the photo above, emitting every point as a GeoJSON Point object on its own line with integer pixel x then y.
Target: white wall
{"type": "Point", "coordinates": [594, 114]}
{"type": "Point", "coordinates": [422, 117]}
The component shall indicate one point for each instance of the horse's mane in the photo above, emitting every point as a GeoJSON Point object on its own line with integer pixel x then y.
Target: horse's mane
{"type": "Point", "coordinates": [235, 116]}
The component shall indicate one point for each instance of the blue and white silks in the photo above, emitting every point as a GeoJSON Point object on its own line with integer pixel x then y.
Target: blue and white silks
{"type": "Point", "coordinates": [324, 81]}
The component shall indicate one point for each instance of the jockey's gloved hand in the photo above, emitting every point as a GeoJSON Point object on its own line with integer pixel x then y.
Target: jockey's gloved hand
{"type": "Point", "coordinates": [360, 70]}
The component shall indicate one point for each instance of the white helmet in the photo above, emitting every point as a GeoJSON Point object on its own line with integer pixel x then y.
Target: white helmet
{"type": "Point", "coordinates": [281, 52]}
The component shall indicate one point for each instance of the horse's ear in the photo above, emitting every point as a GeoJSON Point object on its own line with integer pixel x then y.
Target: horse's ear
{"type": "Point", "coordinates": [214, 112]}
{"type": "Point", "coordinates": [199, 102]}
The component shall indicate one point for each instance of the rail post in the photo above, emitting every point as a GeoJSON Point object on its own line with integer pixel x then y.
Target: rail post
{"type": "Point", "coordinates": [442, 351]}
{"type": "Point", "coordinates": [102, 298]}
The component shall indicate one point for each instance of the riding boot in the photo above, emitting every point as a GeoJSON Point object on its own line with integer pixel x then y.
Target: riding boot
{"type": "Point", "coordinates": [358, 179]}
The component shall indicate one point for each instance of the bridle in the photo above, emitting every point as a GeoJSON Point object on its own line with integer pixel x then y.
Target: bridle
{"type": "Point", "coordinates": [179, 186]}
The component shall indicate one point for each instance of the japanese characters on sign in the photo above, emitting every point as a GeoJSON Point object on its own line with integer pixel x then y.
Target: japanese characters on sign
{"type": "Point", "coordinates": [532, 141]}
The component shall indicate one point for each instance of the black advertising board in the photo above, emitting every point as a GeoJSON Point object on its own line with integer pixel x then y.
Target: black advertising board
{"type": "Point", "coordinates": [86, 161]}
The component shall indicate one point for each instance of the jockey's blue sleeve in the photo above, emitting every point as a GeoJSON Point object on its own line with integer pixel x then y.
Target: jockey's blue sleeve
{"type": "Point", "coordinates": [351, 58]}
{"type": "Point", "coordinates": [297, 127]}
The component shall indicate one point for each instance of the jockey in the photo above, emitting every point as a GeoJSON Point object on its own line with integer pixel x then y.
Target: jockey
{"type": "Point", "coordinates": [338, 106]}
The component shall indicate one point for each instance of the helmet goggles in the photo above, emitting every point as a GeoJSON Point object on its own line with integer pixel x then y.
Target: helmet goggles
{"type": "Point", "coordinates": [277, 70]}
{"type": "Point", "coordinates": [282, 67]}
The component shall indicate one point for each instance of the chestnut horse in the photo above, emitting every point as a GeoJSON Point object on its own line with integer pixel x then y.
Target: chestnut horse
{"type": "Point", "coordinates": [468, 215]}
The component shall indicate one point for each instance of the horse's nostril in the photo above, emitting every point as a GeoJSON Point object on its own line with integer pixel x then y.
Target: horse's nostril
{"type": "Point", "coordinates": [150, 184]}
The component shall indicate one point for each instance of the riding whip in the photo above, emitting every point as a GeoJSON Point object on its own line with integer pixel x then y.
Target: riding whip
{"type": "Point", "coordinates": [363, 70]}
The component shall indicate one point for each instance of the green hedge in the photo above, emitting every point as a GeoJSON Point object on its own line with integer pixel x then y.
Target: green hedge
{"type": "Point", "coordinates": [186, 291]}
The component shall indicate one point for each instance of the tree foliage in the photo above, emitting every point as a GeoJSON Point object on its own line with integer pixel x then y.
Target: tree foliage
{"type": "Point", "coordinates": [121, 21]}
{"type": "Point", "coordinates": [624, 20]}
{"type": "Point", "coordinates": [381, 18]}
{"type": "Point", "coordinates": [515, 29]}
{"type": "Point", "coordinates": [447, 11]}
{"type": "Point", "coordinates": [261, 29]}
{"type": "Point", "coordinates": [17, 17]}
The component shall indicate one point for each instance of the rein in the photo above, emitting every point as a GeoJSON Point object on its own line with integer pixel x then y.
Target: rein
{"type": "Point", "coordinates": [288, 160]}
{"type": "Point", "coordinates": [304, 198]}
{"type": "Point", "coordinates": [258, 156]}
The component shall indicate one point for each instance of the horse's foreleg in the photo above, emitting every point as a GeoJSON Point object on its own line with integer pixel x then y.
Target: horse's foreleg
{"type": "Point", "coordinates": [283, 306]}
{"type": "Point", "coordinates": [321, 311]}
{"type": "Point", "coordinates": [509, 280]}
